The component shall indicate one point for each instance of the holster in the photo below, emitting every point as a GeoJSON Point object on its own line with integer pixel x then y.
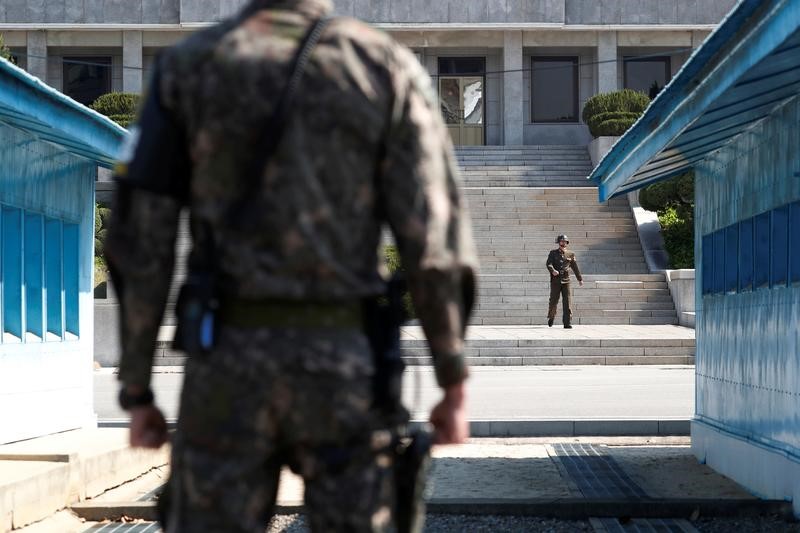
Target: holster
{"type": "Point", "coordinates": [383, 316]}
{"type": "Point", "coordinates": [196, 310]}
{"type": "Point", "coordinates": [412, 464]}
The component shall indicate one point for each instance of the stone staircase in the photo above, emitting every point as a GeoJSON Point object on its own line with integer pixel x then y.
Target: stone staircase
{"type": "Point", "coordinates": [520, 198]}
{"type": "Point", "coordinates": [524, 166]}
{"type": "Point", "coordinates": [515, 228]}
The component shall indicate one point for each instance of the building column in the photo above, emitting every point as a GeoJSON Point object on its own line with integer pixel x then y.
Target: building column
{"type": "Point", "coordinates": [513, 119]}
{"type": "Point", "coordinates": [132, 63]}
{"type": "Point", "coordinates": [607, 68]}
{"type": "Point", "coordinates": [37, 54]}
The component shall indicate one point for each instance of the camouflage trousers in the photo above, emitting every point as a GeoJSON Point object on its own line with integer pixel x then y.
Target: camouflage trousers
{"type": "Point", "coordinates": [265, 398]}
{"type": "Point", "coordinates": [565, 292]}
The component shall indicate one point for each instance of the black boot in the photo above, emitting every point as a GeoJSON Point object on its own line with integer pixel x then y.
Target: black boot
{"type": "Point", "coordinates": [549, 322]}
{"type": "Point", "coordinates": [567, 326]}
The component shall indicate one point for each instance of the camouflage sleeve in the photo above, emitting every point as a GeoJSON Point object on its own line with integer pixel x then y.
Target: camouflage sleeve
{"type": "Point", "coordinates": [152, 179]}
{"type": "Point", "coordinates": [140, 249]}
{"type": "Point", "coordinates": [428, 216]}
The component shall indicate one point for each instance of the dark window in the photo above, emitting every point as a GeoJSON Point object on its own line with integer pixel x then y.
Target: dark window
{"type": "Point", "coordinates": [462, 66]}
{"type": "Point", "coordinates": [794, 242]}
{"type": "Point", "coordinates": [648, 75]}
{"type": "Point", "coordinates": [762, 251]}
{"type": "Point", "coordinates": [780, 244]}
{"type": "Point", "coordinates": [719, 261]}
{"type": "Point", "coordinates": [554, 89]}
{"type": "Point", "coordinates": [708, 264]}
{"type": "Point", "coordinates": [746, 255]}
{"type": "Point", "coordinates": [731, 258]}
{"type": "Point", "coordinates": [86, 78]}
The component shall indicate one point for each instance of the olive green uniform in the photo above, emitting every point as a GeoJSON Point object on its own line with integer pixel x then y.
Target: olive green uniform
{"type": "Point", "coordinates": [561, 262]}
{"type": "Point", "coordinates": [365, 145]}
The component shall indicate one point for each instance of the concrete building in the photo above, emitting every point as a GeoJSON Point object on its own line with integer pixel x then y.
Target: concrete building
{"type": "Point", "coordinates": [733, 116]}
{"type": "Point", "coordinates": [508, 72]}
{"type": "Point", "coordinates": [50, 147]}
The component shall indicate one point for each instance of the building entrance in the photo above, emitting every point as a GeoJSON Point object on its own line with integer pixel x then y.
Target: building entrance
{"type": "Point", "coordinates": [461, 99]}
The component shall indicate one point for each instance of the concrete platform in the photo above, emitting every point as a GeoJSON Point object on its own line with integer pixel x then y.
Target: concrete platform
{"type": "Point", "coordinates": [575, 478]}
{"type": "Point", "coordinates": [41, 476]}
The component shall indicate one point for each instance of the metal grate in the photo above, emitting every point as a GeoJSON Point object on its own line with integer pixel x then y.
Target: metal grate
{"type": "Point", "coordinates": [643, 525]}
{"type": "Point", "coordinates": [117, 527]}
{"type": "Point", "coordinates": [596, 474]}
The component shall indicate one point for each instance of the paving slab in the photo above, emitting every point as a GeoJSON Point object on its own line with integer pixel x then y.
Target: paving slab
{"type": "Point", "coordinates": [646, 478]}
{"type": "Point", "coordinates": [41, 476]}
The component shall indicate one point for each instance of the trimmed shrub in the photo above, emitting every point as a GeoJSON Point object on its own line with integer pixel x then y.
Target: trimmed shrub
{"type": "Point", "coordinates": [392, 257]}
{"type": "Point", "coordinates": [673, 200]}
{"type": "Point", "coordinates": [610, 112]}
{"type": "Point", "coordinates": [613, 127]}
{"type": "Point", "coordinates": [119, 107]}
{"type": "Point", "coordinates": [676, 193]}
{"type": "Point", "coordinates": [5, 52]}
{"type": "Point", "coordinates": [678, 236]}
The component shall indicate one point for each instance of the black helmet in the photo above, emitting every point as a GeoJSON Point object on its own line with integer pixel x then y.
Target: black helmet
{"type": "Point", "coordinates": [562, 238]}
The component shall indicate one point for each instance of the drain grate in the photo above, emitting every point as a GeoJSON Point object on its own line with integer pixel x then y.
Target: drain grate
{"type": "Point", "coordinates": [595, 473]}
{"type": "Point", "coordinates": [642, 525]}
{"type": "Point", "coordinates": [116, 527]}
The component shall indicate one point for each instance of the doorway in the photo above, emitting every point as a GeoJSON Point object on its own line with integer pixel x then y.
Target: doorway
{"type": "Point", "coordinates": [462, 99]}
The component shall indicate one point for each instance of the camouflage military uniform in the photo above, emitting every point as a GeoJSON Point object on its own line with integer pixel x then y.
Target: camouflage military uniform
{"type": "Point", "coordinates": [561, 262]}
{"type": "Point", "coordinates": [364, 145]}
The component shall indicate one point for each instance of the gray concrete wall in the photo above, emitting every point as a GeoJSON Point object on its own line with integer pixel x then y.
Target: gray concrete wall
{"type": "Point", "coordinates": [591, 12]}
{"type": "Point", "coordinates": [91, 11]}
{"type": "Point", "coordinates": [646, 11]}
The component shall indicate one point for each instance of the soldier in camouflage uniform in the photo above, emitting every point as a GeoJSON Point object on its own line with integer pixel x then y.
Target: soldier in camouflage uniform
{"type": "Point", "coordinates": [288, 381]}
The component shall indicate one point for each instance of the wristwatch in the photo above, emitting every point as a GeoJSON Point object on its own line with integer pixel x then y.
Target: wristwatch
{"type": "Point", "coordinates": [128, 401]}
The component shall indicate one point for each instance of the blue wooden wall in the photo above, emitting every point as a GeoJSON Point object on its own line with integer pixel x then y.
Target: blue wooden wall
{"type": "Point", "coordinates": [748, 293]}
{"type": "Point", "coordinates": [46, 238]}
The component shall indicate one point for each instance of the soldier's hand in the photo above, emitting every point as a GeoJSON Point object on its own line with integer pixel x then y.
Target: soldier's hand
{"type": "Point", "coordinates": [148, 427]}
{"type": "Point", "coordinates": [580, 283]}
{"type": "Point", "coordinates": [554, 273]}
{"type": "Point", "coordinates": [449, 417]}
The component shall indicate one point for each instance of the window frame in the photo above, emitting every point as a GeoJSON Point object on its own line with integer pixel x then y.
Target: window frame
{"type": "Point", "coordinates": [575, 87]}
{"type": "Point", "coordinates": [98, 59]}
{"type": "Point", "coordinates": [667, 60]}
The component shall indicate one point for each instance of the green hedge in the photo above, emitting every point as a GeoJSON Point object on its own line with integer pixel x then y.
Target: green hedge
{"type": "Point", "coordinates": [678, 236]}
{"type": "Point", "coordinates": [613, 113]}
{"type": "Point", "coordinates": [392, 258]}
{"type": "Point", "coordinates": [613, 127]}
{"type": "Point", "coordinates": [5, 52]}
{"type": "Point", "coordinates": [119, 107]}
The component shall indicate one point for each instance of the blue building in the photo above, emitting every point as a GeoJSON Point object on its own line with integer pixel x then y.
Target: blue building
{"type": "Point", "coordinates": [50, 148]}
{"type": "Point", "coordinates": [732, 115]}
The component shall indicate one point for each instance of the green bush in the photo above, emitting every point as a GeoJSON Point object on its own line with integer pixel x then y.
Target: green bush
{"type": "Point", "coordinates": [123, 120]}
{"type": "Point", "coordinates": [673, 200]}
{"type": "Point", "coordinates": [678, 236]}
{"type": "Point", "coordinates": [101, 219]}
{"type": "Point", "coordinates": [677, 193]}
{"type": "Point", "coordinates": [392, 258]}
{"type": "Point", "coordinates": [5, 52]}
{"type": "Point", "coordinates": [614, 127]}
{"type": "Point", "coordinates": [614, 112]}
{"type": "Point", "coordinates": [119, 107]}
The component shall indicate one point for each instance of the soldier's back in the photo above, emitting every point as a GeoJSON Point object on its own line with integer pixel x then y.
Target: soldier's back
{"type": "Point", "coordinates": [315, 231]}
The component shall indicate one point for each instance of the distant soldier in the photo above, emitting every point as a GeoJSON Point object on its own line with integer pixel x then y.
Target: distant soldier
{"type": "Point", "coordinates": [559, 262]}
{"type": "Point", "coordinates": [285, 254]}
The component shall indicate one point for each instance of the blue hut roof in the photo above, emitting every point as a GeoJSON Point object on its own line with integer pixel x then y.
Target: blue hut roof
{"type": "Point", "coordinates": [29, 104]}
{"type": "Point", "coordinates": [746, 69]}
